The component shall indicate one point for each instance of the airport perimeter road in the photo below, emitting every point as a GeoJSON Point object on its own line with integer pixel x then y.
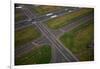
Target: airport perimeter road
{"type": "Point", "coordinates": [43, 18]}
{"type": "Point", "coordinates": [84, 20]}
{"type": "Point", "coordinates": [65, 52]}
{"type": "Point", "coordinates": [67, 55]}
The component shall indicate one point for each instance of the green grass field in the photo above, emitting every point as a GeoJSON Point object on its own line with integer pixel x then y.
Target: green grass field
{"type": "Point", "coordinates": [64, 20]}
{"type": "Point", "coordinates": [39, 55]}
{"type": "Point", "coordinates": [26, 35]}
{"type": "Point", "coordinates": [78, 41]}
{"type": "Point", "coordinates": [45, 9]}
{"type": "Point", "coordinates": [19, 16]}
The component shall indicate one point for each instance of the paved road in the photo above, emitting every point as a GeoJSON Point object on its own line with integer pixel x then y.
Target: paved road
{"type": "Point", "coordinates": [67, 55]}
{"type": "Point", "coordinates": [27, 12]}
{"type": "Point", "coordinates": [22, 25]}
{"type": "Point", "coordinates": [73, 24]}
{"type": "Point", "coordinates": [43, 17]}
{"type": "Point", "coordinates": [57, 56]}
{"type": "Point", "coordinates": [27, 47]}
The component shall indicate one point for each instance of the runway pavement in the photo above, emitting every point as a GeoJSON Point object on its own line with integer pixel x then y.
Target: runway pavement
{"type": "Point", "coordinates": [65, 53]}
{"type": "Point", "coordinates": [62, 54]}
{"type": "Point", "coordinates": [43, 17]}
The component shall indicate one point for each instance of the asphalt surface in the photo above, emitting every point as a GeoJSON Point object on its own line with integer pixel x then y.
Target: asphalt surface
{"type": "Point", "coordinates": [62, 54]}
{"type": "Point", "coordinates": [84, 20]}
{"type": "Point", "coordinates": [41, 18]}
{"type": "Point", "coordinates": [57, 56]}
{"type": "Point", "coordinates": [65, 53]}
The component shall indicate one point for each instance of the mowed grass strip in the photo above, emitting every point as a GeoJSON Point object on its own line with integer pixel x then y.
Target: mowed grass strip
{"type": "Point", "coordinates": [64, 20]}
{"type": "Point", "coordinates": [18, 15]}
{"type": "Point", "coordinates": [26, 35]}
{"type": "Point", "coordinates": [39, 55]}
{"type": "Point", "coordinates": [78, 42]}
{"type": "Point", "coordinates": [46, 9]}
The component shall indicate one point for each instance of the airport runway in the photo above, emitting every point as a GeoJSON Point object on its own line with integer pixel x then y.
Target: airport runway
{"type": "Point", "coordinates": [62, 54]}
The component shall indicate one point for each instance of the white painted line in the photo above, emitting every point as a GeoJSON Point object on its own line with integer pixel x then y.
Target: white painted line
{"type": "Point", "coordinates": [69, 11]}
{"type": "Point", "coordinates": [53, 16]}
{"type": "Point", "coordinates": [49, 14]}
{"type": "Point", "coordinates": [19, 7]}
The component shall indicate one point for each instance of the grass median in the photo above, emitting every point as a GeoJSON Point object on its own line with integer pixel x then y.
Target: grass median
{"type": "Point", "coordinates": [62, 21]}
{"type": "Point", "coordinates": [39, 55]}
{"type": "Point", "coordinates": [45, 9]}
{"type": "Point", "coordinates": [79, 40]}
{"type": "Point", "coordinates": [26, 35]}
